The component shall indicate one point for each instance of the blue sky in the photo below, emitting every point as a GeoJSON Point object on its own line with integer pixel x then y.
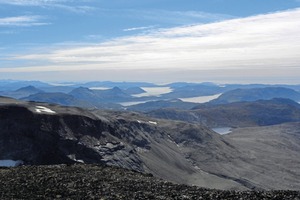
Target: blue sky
{"type": "Point", "coordinates": [150, 40]}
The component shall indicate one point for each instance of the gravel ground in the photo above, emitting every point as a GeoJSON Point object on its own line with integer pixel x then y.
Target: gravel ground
{"type": "Point", "coordinates": [102, 182]}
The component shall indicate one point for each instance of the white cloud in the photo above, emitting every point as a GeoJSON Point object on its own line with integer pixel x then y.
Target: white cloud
{"type": "Point", "coordinates": [172, 17]}
{"type": "Point", "coordinates": [75, 9]}
{"type": "Point", "coordinates": [258, 43]}
{"type": "Point", "coordinates": [139, 28]}
{"type": "Point", "coordinates": [27, 20]}
{"type": "Point", "coordinates": [60, 4]}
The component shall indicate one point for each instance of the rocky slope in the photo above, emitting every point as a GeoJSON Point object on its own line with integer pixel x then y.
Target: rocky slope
{"type": "Point", "coordinates": [181, 152]}
{"type": "Point", "coordinates": [103, 182]}
{"type": "Point", "coordinates": [42, 134]}
{"type": "Point", "coordinates": [273, 147]}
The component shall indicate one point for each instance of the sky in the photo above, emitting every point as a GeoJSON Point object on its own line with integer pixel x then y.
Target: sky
{"type": "Point", "coordinates": [161, 41]}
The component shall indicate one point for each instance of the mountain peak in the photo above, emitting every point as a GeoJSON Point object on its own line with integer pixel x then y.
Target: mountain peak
{"type": "Point", "coordinates": [30, 89]}
{"type": "Point", "coordinates": [116, 89]}
{"type": "Point", "coordinates": [81, 90]}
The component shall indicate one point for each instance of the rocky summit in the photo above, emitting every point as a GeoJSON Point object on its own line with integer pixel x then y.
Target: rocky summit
{"type": "Point", "coordinates": [82, 181]}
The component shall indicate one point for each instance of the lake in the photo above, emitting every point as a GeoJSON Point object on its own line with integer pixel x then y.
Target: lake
{"type": "Point", "coordinates": [222, 130]}
{"type": "Point", "coordinates": [154, 91]}
{"type": "Point", "coordinates": [200, 99]}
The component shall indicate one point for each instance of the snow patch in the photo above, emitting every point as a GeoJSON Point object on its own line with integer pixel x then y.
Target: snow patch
{"type": "Point", "coordinates": [80, 161]}
{"type": "Point", "coordinates": [10, 163]}
{"type": "Point", "coordinates": [42, 109]}
{"type": "Point", "coordinates": [196, 167]}
{"type": "Point", "coordinates": [73, 157]}
{"type": "Point", "coordinates": [110, 145]}
{"type": "Point", "coordinates": [141, 150]}
{"type": "Point", "coordinates": [152, 122]}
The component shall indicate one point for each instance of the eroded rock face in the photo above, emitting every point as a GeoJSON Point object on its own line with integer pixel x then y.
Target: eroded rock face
{"type": "Point", "coordinates": [54, 138]}
{"type": "Point", "coordinates": [83, 181]}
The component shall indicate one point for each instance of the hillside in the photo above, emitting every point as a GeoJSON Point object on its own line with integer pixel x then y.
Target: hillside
{"type": "Point", "coordinates": [47, 134]}
{"type": "Point", "coordinates": [239, 114]}
{"type": "Point", "coordinates": [274, 147]}
{"type": "Point", "coordinates": [154, 105]}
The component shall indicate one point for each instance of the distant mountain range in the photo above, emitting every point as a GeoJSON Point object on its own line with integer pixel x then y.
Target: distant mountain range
{"type": "Point", "coordinates": [21, 92]}
{"type": "Point", "coordinates": [253, 94]}
{"type": "Point", "coordinates": [239, 114]}
{"type": "Point", "coordinates": [134, 96]}
{"type": "Point", "coordinates": [59, 98]}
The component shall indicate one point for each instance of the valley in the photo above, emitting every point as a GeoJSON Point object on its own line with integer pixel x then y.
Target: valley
{"type": "Point", "coordinates": [246, 145]}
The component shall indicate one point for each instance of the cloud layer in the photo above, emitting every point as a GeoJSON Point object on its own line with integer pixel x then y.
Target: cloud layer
{"type": "Point", "coordinates": [29, 20]}
{"type": "Point", "coordinates": [262, 43]}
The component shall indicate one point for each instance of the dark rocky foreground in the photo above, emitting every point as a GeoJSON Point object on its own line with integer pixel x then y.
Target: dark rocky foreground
{"type": "Point", "coordinates": [82, 181]}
